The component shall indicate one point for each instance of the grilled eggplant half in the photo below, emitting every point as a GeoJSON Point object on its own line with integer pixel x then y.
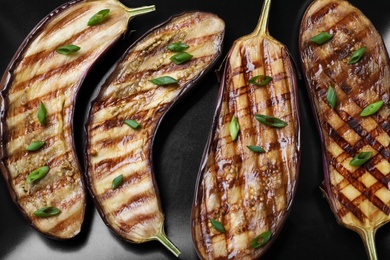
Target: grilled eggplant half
{"type": "Point", "coordinates": [153, 74]}
{"type": "Point", "coordinates": [38, 158]}
{"type": "Point", "coordinates": [348, 80]}
{"type": "Point", "coordinates": [249, 169]}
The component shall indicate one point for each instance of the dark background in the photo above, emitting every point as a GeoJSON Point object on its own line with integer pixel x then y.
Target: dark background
{"type": "Point", "coordinates": [311, 231]}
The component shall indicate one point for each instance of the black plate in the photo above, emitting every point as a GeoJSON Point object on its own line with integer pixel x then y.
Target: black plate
{"type": "Point", "coordinates": [311, 231]}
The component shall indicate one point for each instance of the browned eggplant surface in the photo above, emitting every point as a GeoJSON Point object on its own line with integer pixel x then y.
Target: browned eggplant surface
{"type": "Point", "coordinates": [124, 118]}
{"type": "Point", "coordinates": [309, 232]}
{"type": "Point", "coordinates": [39, 89]}
{"type": "Point", "coordinates": [249, 193]}
{"type": "Point", "coordinates": [358, 191]}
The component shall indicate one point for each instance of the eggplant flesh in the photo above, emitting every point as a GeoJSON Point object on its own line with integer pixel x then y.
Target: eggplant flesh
{"type": "Point", "coordinates": [133, 210]}
{"type": "Point", "coordinates": [358, 195]}
{"type": "Point", "coordinates": [38, 74]}
{"type": "Point", "coordinates": [249, 193]}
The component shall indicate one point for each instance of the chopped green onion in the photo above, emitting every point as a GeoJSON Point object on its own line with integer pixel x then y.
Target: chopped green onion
{"type": "Point", "coordinates": [132, 123]}
{"type": "Point", "coordinates": [372, 108]}
{"type": "Point", "coordinates": [331, 97]}
{"type": "Point", "coordinates": [98, 17]}
{"type": "Point", "coordinates": [357, 55]}
{"type": "Point", "coordinates": [47, 212]}
{"type": "Point", "coordinates": [271, 121]}
{"type": "Point", "coordinates": [163, 81]}
{"type": "Point", "coordinates": [217, 225]}
{"type": "Point", "coordinates": [261, 239]}
{"type": "Point", "coordinates": [117, 181]}
{"type": "Point", "coordinates": [34, 146]}
{"type": "Point", "coordinates": [256, 149]}
{"type": "Point", "coordinates": [42, 113]}
{"type": "Point", "coordinates": [321, 38]}
{"type": "Point", "coordinates": [181, 57]}
{"type": "Point", "coordinates": [260, 80]}
{"type": "Point", "coordinates": [361, 158]}
{"type": "Point", "coordinates": [177, 47]}
{"type": "Point", "coordinates": [68, 49]}
{"type": "Point", "coordinates": [234, 128]}
{"type": "Point", "coordinates": [37, 174]}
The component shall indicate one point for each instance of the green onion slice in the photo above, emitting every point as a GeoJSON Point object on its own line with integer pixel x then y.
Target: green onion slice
{"type": "Point", "coordinates": [261, 239]}
{"type": "Point", "coordinates": [357, 55]}
{"type": "Point", "coordinates": [372, 108]}
{"type": "Point", "coordinates": [117, 181]}
{"type": "Point", "coordinates": [256, 149]}
{"type": "Point", "coordinates": [217, 225]}
{"type": "Point", "coordinates": [177, 47]}
{"type": "Point", "coordinates": [98, 17]}
{"type": "Point", "coordinates": [331, 97]}
{"type": "Point", "coordinates": [132, 123]}
{"type": "Point", "coordinates": [181, 57]}
{"type": "Point", "coordinates": [321, 38]}
{"type": "Point", "coordinates": [271, 121]}
{"type": "Point", "coordinates": [234, 128]}
{"type": "Point", "coordinates": [163, 81]}
{"type": "Point", "coordinates": [68, 49]}
{"type": "Point", "coordinates": [42, 113]}
{"type": "Point", "coordinates": [260, 80]}
{"type": "Point", "coordinates": [47, 212]}
{"type": "Point", "coordinates": [34, 146]}
{"type": "Point", "coordinates": [361, 158]}
{"type": "Point", "coordinates": [37, 174]}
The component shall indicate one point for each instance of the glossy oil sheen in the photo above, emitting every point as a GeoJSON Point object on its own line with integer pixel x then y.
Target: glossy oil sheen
{"type": "Point", "coordinates": [311, 231]}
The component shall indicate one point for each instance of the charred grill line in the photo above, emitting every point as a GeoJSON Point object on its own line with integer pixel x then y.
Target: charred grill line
{"type": "Point", "coordinates": [357, 195]}
{"type": "Point", "coordinates": [33, 68]}
{"type": "Point", "coordinates": [114, 148]}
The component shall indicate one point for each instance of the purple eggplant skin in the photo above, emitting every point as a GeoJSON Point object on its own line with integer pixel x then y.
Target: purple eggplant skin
{"type": "Point", "coordinates": [63, 187]}
{"type": "Point", "coordinates": [358, 194]}
{"type": "Point", "coordinates": [112, 148]}
{"type": "Point", "coordinates": [249, 193]}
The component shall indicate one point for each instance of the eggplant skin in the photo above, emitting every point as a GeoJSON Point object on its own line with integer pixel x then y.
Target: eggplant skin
{"type": "Point", "coordinates": [248, 193]}
{"type": "Point", "coordinates": [37, 74]}
{"type": "Point", "coordinates": [359, 196]}
{"type": "Point", "coordinates": [133, 210]}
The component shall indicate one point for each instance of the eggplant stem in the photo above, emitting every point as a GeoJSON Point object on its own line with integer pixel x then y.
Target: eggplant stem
{"type": "Point", "coordinates": [262, 25]}
{"type": "Point", "coordinates": [138, 10]}
{"type": "Point", "coordinates": [368, 237]}
{"type": "Point", "coordinates": [162, 238]}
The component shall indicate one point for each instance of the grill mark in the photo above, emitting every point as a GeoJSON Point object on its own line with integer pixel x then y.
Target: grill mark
{"type": "Point", "coordinates": [349, 207]}
{"type": "Point", "coordinates": [114, 141]}
{"type": "Point", "coordinates": [52, 72]}
{"type": "Point", "coordinates": [369, 137]}
{"type": "Point", "coordinates": [42, 189]}
{"type": "Point", "coordinates": [316, 17]}
{"type": "Point", "coordinates": [134, 179]}
{"type": "Point", "coordinates": [52, 163]}
{"type": "Point", "coordinates": [18, 131]}
{"type": "Point", "coordinates": [269, 102]}
{"type": "Point", "coordinates": [164, 69]}
{"type": "Point", "coordinates": [142, 219]}
{"type": "Point", "coordinates": [21, 154]}
{"type": "Point", "coordinates": [33, 104]}
{"type": "Point", "coordinates": [73, 220]}
{"type": "Point", "coordinates": [141, 117]}
{"type": "Point", "coordinates": [352, 178]}
{"type": "Point", "coordinates": [105, 167]}
{"type": "Point", "coordinates": [79, 11]}
{"type": "Point", "coordinates": [333, 134]}
{"type": "Point", "coordinates": [135, 202]}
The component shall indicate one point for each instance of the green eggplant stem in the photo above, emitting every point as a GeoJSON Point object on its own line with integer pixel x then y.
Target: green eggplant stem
{"type": "Point", "coordinates": [138, 10]}
{"type": "Point", "coordinates": [262, 25]}
{"type": "Point", "coordinates": [368, 237]}
{"type": "Point", "coordinates": [162, 238]}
